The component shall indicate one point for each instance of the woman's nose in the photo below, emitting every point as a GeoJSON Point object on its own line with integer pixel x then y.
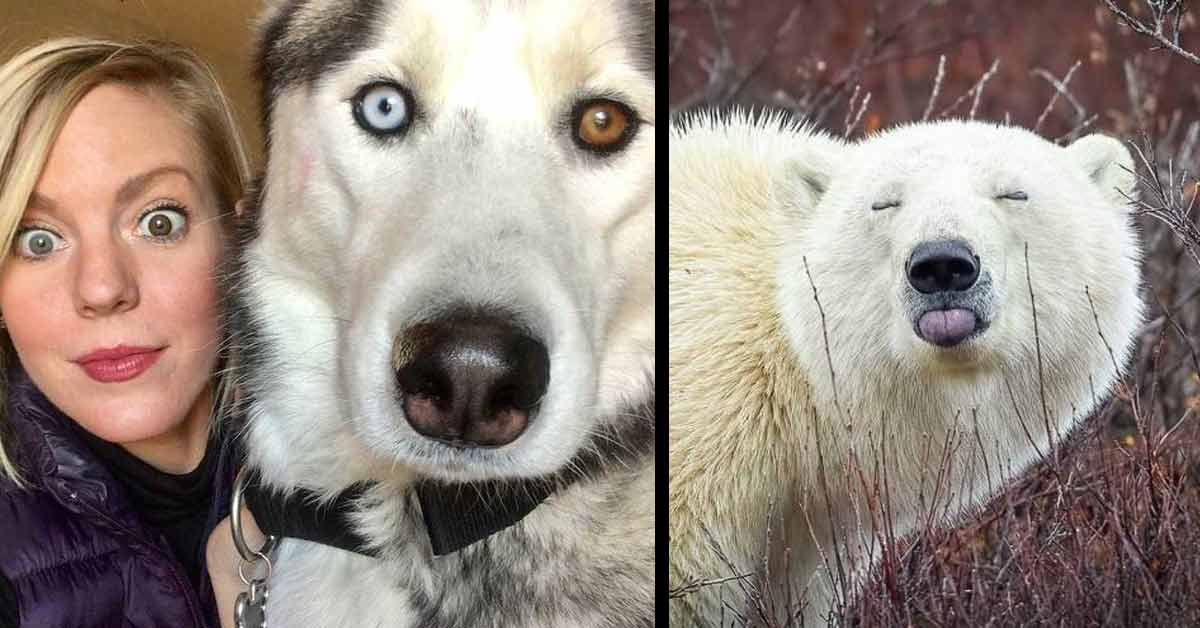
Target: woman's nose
{"type": "Point", "coordinates": [105, 279]}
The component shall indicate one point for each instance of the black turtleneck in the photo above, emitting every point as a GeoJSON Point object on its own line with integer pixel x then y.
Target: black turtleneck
{"type": "Point", "coordinates": [176, 505]}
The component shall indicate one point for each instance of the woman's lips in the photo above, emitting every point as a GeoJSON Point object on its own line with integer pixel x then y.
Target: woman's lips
{"type": "Point", "coordinates": [118, 364]}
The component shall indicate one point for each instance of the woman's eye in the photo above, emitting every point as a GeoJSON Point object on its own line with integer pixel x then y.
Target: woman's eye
{"type": "Point", "coordinates": [163, 224]}
{"type": "Point", "coordinates": [383, 108]}
{"type": "Point", "coordinates": [602, 125]}
{"type": "Point", "coordinates": [36, 243]}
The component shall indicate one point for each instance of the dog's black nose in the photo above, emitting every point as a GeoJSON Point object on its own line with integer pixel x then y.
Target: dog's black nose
{"type": "Point", "coordinates": [942, 266]}
{"type": "Point", "coordinates": [470, 380]}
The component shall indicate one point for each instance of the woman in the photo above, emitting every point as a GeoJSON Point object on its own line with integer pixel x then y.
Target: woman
{"type": "Point", "coordinates": [120, 166]}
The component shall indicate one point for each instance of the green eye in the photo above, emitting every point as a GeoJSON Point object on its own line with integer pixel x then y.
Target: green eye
{"type": "Point", "coordinates": [163, 223]}
{"type": "Point", "coordinates": [36, 243]}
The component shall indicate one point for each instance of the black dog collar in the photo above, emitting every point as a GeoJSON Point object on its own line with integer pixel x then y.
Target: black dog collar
{"type": "Point", "coordinates": [456, 515]}
{"type": "Point", "coordinates": [298, 514]}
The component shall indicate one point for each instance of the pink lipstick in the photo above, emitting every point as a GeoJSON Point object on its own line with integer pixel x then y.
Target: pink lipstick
{"type": "Point", "coordinates": [118, 364]}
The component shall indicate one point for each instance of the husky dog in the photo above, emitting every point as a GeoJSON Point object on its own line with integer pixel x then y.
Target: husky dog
{"type": "Point", "coordinates": [449, 281]}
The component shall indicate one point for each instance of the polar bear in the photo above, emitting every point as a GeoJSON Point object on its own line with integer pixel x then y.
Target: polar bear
{"type": "Point", "coordinates": [870, 335]}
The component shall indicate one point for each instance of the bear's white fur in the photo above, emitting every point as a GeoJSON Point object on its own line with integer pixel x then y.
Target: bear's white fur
{"type": "Point", "coordinates": [775, 376]}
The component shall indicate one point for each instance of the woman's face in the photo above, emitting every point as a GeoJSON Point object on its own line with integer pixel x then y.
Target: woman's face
{"type": "Point", "coordinates": [109, 291]}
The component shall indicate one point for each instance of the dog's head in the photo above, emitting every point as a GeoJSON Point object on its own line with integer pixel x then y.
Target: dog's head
{"type": "Point", "coordinates": [452, 269]}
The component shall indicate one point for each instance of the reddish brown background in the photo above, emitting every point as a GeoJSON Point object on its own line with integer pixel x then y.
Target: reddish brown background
{"type": "Point", "coordinates": [1022, 34]}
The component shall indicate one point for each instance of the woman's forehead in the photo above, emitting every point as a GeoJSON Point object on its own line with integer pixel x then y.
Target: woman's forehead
{"type": "Point", "coordinates": [117, 137]}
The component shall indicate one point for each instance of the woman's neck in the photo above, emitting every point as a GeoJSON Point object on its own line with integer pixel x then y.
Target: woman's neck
{"type": "Point", "coordinates": [180, 449]}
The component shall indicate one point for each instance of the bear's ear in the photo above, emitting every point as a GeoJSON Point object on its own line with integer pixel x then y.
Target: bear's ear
{"type": "Point", "coordinates": [1110, 166]}
{"type": "Point", "coordinates": [806, 176]}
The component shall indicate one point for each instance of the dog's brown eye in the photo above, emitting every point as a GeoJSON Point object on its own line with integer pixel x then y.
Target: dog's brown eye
{"type": "Point", "coordinates": [603, 125]}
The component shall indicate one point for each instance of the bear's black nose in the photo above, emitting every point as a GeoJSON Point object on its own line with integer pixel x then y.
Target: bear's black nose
{"type": "Point", "coordinates": [470, 380]}
{"type": "Point", "coordinates": [942, 266]}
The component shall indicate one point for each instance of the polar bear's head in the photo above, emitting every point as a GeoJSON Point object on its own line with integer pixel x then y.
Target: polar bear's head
{"type": "Point", "coordinates": [917, 241]}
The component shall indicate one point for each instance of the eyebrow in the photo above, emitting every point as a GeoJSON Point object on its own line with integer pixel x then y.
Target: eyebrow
{"type": "Point", "coordinates": [129, 190]}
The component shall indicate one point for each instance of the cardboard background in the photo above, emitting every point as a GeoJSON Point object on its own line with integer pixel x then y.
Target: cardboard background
{"type": "Point", "coordinates": [221, 31]}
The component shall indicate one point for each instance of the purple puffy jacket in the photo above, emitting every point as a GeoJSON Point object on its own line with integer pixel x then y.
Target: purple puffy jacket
{"type": "Point", "coordinates": [71, 546]}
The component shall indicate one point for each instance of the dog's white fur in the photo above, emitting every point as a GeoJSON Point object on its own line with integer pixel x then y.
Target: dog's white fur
{"type": "Point", "coordinates": [489, 204]}
{"type": "Point", "coordinates": [756, 205]}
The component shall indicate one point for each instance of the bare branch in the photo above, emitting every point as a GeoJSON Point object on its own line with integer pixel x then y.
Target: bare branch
{"type": "Point", "coordinates": [1060, 88]}
{"type": "Point", "coordinates": [1155, 29]}
{"type": "Point", "coordinates": [937, 87]}
{"type": "Point", "coordinates": [982, 82]}
{"type": "Point", "coordinates": [725, 80]}
{"type": "Point", "coordinates": [851, 124]}
{"type": "Point", "coordinates": [1076, 131]}
{"type": "Point", "coordinates": [974, 91]}
{"type": "Point", "coordinates": [1168, 201]}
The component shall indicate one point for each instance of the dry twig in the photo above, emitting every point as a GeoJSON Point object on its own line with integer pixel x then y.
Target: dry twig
{"type": "Point", "coordinates": [1163, 25]}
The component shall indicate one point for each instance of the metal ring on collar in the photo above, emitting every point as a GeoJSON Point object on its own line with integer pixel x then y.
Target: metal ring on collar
{"type": "Point", "coordinates": [235, 520]}
{"type": "Point", "coordinates": [242, 571]}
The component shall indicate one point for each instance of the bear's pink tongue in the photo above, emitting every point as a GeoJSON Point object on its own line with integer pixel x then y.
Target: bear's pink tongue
{"type": "Point", "coordinates": [946, 327]}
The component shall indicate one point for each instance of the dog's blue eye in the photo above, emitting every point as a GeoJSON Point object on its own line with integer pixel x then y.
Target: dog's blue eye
{"type": "Point", "coordinates": [383, 109]}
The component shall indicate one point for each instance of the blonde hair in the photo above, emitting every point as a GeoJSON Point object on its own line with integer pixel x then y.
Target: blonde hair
{"type": "Point", "coordinates": [39, 88]}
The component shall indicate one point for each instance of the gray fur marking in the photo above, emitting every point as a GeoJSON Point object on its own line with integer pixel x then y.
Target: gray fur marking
{"type": "Point", "coordinates": [639, 27]}
{"type": "Point", "coordinates": [287, 57]}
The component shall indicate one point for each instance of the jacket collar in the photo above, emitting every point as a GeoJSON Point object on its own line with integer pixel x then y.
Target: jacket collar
{"type": "Point", "coordinates": [52, 455]}
{"type": "Point", "coordinates": [54, 459]}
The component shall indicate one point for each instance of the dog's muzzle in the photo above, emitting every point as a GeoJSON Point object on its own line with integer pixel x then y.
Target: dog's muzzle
{"type": "Point", "coordinates": [470, 379]}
